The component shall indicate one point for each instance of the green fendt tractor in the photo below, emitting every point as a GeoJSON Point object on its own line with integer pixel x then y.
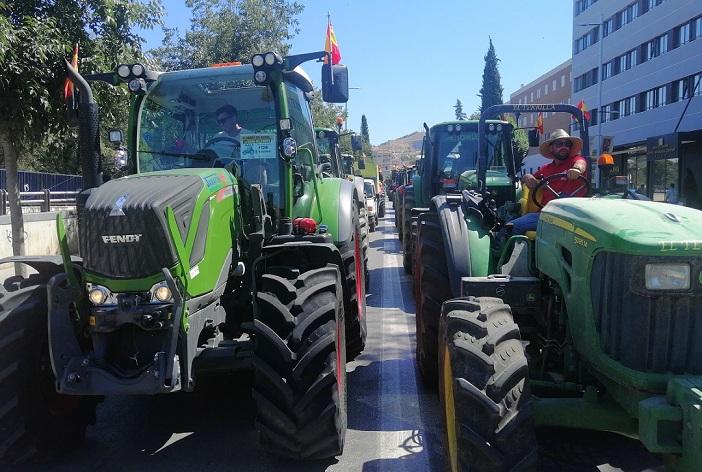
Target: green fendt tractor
{"type": "Point", "coordinates": [337, 165]}
{"type": "Point", "coordinates": [224, 251]}
{"type": "Point", "coordinates": [448, 164]}
{"type": "Point", "coordinates": [590, 322]}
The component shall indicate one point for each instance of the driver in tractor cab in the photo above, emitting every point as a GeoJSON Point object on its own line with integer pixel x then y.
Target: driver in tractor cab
{"type": "Point", "coordinates": [253, 170]}
{"type": "Point", "coordinates": [564, 150]}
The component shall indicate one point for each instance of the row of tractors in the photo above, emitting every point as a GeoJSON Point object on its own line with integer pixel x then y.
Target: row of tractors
{"type": "Point", "coordinates": [591, 322]}
{"type": "Point", "coordinates": [217, 252]}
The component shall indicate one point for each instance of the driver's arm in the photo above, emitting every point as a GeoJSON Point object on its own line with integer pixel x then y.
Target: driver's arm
{"type": "Point", "coordinates": [578, 169]}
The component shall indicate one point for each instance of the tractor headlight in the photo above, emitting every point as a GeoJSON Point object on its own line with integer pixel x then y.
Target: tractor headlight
{"type": "Point", "coordinates": [271, 58]}
{"type": "Point", "coordinates": [161, 293]}
{"type": "Point", "coordinates": [257, 60]}
{"type": "Point", "coordinates": [289, 147]}
{"type": "Point", "coordinates": [458, 128]}
{"type": "Point", "coordinates": [123, 71]}
{"type": "Point", "coordinates": [99, 295]}
{"type": "Point", "coordinates": [260, 76]}
{"type": "Point", "coordinates": [137, 70]}
{"type": "Point", "coordinates": [667, 276]}
{"type": "Point", "coordinates": [137, 85]}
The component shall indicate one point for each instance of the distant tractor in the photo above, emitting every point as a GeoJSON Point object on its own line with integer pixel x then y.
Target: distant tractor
{"type": "Point", "coordinates": [223, 251]}
{"type": "Point", "coordinates": [591, 322]}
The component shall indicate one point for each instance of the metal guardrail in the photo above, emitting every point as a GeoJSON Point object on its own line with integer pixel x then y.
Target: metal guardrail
{"type": "Point", "coordinates": [44, 200]}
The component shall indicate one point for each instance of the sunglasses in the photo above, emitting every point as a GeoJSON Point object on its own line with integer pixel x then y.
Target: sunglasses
{"type": "Point", "coordinates": [557, 144]}
{"type": "Point", "coordinates": [223, 120]}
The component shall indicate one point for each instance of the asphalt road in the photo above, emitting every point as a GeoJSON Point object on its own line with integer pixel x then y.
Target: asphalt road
{"type": "Point", "coordinates": [394, 421]}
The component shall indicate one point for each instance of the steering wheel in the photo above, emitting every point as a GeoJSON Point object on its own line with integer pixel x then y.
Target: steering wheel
{"type": "Point", "coordinates": [547, 180]}
{"type": "Point", "coordinates": [220, 139]}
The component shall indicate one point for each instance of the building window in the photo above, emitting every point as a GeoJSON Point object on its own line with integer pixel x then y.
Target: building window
{"type": "Point", "coordinates": [563, 80]}
{"type": "Point", "coordinates": [606, 71]}
{"type": "Point", "coordinates": [682, 34]}
{"type": "Point", "coordinates": [662, 96]}
{"type": "Point", "coordinates": [621, 64]}
{"type": "Point", "coordinates": [663, 44]}
{"type": "Point", "coordinates": [531, 100]}
{"type": "Point", "coordinates": [696, 82]}
{"type": "Point", "coordinates": [545, 89]}
{"type": "Point", "coordinates": [649, 99]}
{"type": "Point", "coordinates": [604, 115]}
{"type": "Point", "coordinates": [538, 93]}
{"type": "Point", "coordinates": [554, 85]}
{"type": "Point", "coordinates": [631, 58]}
{"type": "Point", "coordinates": [697, 24]}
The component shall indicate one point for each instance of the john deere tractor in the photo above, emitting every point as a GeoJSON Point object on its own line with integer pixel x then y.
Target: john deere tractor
{"type": "Point", "coordinates": [222, 251]}
{"type": "Point", "coordinates": [590, 322]}
{"type": "Point", "coordinates": [448, 165]}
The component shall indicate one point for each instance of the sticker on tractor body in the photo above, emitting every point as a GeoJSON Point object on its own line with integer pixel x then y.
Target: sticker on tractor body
{"type": "Point", "coordinates": [258, 146]}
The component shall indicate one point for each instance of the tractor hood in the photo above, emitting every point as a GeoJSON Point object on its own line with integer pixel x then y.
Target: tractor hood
{"type": "Point", "coordinates": [629, 226]}
{"type": "Point", "coordinates": [494, 178]}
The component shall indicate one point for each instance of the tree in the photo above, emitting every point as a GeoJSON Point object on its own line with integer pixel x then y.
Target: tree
{"type": "Point", "coordinates": [520, 141]}
{"type": "Point", "coordinates": [458, 107]}
{"type": "Point", "coordinates": [475, 115]}
{"type": "Point", "coordinates": [230, 30]}
{"type": "Point", "coordinates": [324, 114]}
{"type": "Point", "coordinates": [365, 136]}
{"type": "Point", "coordinates": [491, 91]}
{"type": "Point", "coordinates": [36, 36]}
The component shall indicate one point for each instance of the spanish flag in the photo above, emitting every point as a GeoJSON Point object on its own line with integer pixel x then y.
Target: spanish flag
{"type": "Point", "coordinates": [586, 111]}
{"type": "Point", "coordinates": [331, 46]}
{"type": "Point", "coordinates": [68, 88]}
{"type": "Point", "coordinates": [540, 123]}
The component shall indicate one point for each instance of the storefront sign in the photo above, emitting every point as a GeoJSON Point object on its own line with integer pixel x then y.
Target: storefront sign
{"type": "Point", "coordinates": [662, 147]}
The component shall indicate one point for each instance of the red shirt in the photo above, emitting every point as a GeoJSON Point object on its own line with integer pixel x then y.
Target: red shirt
{"type": "Point", "coordinates": [561, 185]}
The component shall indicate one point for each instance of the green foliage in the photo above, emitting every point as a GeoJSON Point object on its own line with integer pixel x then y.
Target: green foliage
{"type": "Point", "coordinates": [365, 135]}
{"type": "Point", "coordinates": [475, 115]}
{"type": "Point", "coordinates": [520, 140]}
{"type": "Point", "coordinates": [230, 30]}
{"type": "Point", "coordinates": [491, 91]}
{"type": "Point", "coordinates": [324, 114]}
{"type": "Point", "coordinates": [36, 37]}
{"type": "Point", "coordinates": [458, 108]}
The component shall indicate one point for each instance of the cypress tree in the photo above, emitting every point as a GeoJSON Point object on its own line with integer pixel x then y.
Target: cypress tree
{"type": "Point", "coordinates": [491, 91]}
{"type": "Point", "coordinates": [459, 110]}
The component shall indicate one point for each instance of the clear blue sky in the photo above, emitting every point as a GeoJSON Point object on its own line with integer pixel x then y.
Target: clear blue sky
{"type": "Point", "coordinates": [412, 59]}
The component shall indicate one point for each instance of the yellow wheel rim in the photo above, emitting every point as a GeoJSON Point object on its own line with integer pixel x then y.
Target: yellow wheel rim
{"type": "Point", "coordinates": [450, 411]}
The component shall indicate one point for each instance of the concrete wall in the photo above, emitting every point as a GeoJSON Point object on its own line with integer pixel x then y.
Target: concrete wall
{"type": "Point", "coordinates": [40, 237]}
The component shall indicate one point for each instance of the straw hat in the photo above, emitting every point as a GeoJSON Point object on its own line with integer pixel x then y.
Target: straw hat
{"type": "Point", "coordinates": [545, 148]}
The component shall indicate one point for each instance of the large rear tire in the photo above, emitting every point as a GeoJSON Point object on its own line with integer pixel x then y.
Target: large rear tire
{"type": "Point", "coordinates": [406, 230]}
{"type": "Point", "coordinates": [300, 365]}
{"type": "Point", "coordinates": [432, 290]}
{"type": "Point", "coordinates": [355, 274]}
{"type": "Point", "coordinates": [484, 390]}
{"type": "Point", "coordinates": [36, 423]}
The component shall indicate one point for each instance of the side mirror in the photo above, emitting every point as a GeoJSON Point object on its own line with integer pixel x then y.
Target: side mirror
{"type": "Point", "coordinates": [361, 164]}
{"type": "Point", "coordinates": [115, 137]}
{"type": "Point", "coordinates": [533, 138]}
{"type": "Point", "coordinates": [356, 143]}
{"type": "Point", "coordinates": [335, 83]}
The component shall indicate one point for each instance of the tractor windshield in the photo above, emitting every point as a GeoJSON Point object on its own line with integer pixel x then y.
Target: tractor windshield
{"type": "Point", "coordinates": [457, 151]}
{"type": "Point", "coordinates": [211, 118]}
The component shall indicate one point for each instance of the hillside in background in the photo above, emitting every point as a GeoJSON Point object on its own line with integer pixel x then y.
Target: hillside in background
{"type": "Point", "coordinates": [400, 151]}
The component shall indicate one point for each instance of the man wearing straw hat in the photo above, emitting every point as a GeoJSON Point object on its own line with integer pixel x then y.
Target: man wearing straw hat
{"type": "Point", "coordinates": [565, 152]}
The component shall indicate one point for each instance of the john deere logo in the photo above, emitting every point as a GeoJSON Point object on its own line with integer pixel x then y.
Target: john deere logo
{"type": "Point", "coordinates": [121, 238]}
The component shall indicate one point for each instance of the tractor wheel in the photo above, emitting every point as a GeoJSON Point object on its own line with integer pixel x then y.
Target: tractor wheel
{"type": "Point", "coordinates": [483, 387]}
{"type": "Point", "coordinates": [365, 238]}
{"type": "Point", "coordinates": [407, 206]}
{"type": "Point", "coordinates": [432, 290]}
{"type": "Point", "coordinates": [354, 273]}
{"type": "Point", "coordinates": [300, 364]}
{"type": "Point", "coordinates": [36, 423]}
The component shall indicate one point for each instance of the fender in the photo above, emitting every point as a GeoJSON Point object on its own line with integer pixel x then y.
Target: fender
{"type": "Point", "coordinates": [336, 197]}
{"type": "Point", "coordinates": [323, 253]}
{"type": "Point", "coordinates": [466, 244]}
{"type": "Point", "coordinates": [46, 265]}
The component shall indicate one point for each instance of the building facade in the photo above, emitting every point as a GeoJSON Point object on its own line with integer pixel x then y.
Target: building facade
{"type": "Point", "coordinates": [552, 87]}
{"type": "Point", "coordinates": [637, 64]}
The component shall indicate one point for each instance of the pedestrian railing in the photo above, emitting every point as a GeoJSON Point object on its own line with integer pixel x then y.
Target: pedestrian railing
{"type": "Point", "coordinates": [43, 201]}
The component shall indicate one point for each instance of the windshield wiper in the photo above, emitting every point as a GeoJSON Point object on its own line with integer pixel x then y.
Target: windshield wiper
{"type": "Point", "coordinates": [197, 157]}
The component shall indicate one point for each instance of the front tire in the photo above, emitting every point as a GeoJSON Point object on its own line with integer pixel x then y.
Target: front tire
{"type": "Point", "coordinates": [431, 291]}
{"type": "Point", "coordinates": [483, 387]}
{"type": "Point", "coordinates": [300, 366]}
{"type": "Point", "coordinates": [36, 423]}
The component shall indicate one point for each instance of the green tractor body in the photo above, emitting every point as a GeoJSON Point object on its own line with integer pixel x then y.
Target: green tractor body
{"type": "Point", "coordinates": [591, 323]}
{"type": "Point", "coordinates": [225, 250]}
